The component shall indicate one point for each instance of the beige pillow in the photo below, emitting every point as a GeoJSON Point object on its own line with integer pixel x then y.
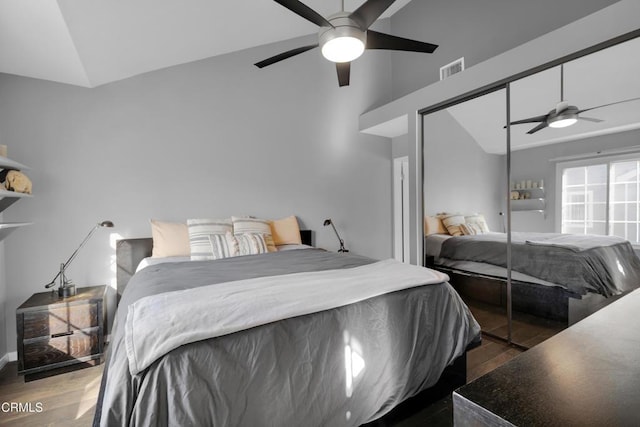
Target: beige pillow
{"type": "Point", "coordinates": [255, 226]}
{"type": "Point", "coordinates": [286, 231]}
{"type": "Point", "coordinates": [170, 239]}
{"type": "Point", "coordinates": [433, 225]}
{"type": "Point", "coordinates": [477, 219]}
{"type": "Point", "coordinates": [452, 223]}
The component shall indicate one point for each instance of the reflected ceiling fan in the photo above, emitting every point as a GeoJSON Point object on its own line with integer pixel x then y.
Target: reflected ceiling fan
{"type": "Point", "coordinates": [564, 114]}
{"type": "Point", "coordinates": [344, 36]}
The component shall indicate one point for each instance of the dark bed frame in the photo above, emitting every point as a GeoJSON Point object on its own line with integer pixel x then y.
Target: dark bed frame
{"type": "Point", "coordinates": [129, 253]}
{"type": "Point", "coordinates": [549, 302]}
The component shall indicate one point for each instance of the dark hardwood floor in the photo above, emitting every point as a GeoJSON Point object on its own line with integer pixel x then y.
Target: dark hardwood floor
{"type": "Point", "coordinates": [69, 399]}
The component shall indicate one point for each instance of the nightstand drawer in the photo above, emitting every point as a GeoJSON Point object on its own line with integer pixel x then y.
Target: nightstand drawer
{"type": "Point", "coordinates": [65, 348]}
{"type": "Point", "coordinates": [55, 332]}
{"type": "Point", "coordinates": [60, 320]}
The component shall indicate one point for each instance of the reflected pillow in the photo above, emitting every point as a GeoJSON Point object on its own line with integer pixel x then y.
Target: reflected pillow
{"type": "Point", "coordinates": [470, 229]}
{"type": "Point", "coordinates": [452, 223]}
{"type": "Point", "coordinates": [477, 219]}
{"type": "Point", "coordinates": [169, 239]}
{"type": "Point", "coordinates": [434, 225]}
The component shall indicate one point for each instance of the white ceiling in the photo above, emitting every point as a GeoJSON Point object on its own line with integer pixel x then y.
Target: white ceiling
{"type": "Point", "coordinates": [603, 77]}
{"type": "Point", "coordinates": [93, 42]}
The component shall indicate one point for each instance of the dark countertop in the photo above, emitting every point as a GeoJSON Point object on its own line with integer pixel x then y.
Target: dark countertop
{"type": "Point", "coordinates": [587, 375]}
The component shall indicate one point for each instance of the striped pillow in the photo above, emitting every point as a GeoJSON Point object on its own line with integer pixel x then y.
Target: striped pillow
{"type": "Point", "coordinates": [452, 223]}
{"type": "Point", "coordinates": [206, 238]}
{"type": "Point", "coordinates": [221, 246]}
{"type": "Point", "coordinates": [471, 228]}
{"type": "Point", "coordinates": [477, 219]}
{"type": "Point", "coordinates": [250, 243]}
{"type": "Point", "coordinates": [254, 226]}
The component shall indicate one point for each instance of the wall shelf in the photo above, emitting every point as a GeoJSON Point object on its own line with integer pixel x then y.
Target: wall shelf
{"type": "Point", "coordinates": [6, 163]}
{"type": "Point", "coordinates": [536, 202]}
{"type": "Point", "coordinates": [8, 227]}
{"type": "Point", "coordinates": [7, 198]}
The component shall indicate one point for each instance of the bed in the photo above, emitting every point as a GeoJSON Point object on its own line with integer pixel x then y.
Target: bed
{"type": "Point", "coordinates": [346, 364]}
{"type": "Point", "coordinates": [559, 276]}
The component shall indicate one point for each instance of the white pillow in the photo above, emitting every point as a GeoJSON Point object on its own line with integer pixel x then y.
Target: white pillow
{"type": "Point", "coordinates": [470, 229]}
{"type": "Point", "coordinates": [249, 243]}
{"type": "Point", "coordinates": [207, 238]}
{"type": "Point", "coordinates": [477, 219]}
{"type": "Point", "coordinates": [242, 225]}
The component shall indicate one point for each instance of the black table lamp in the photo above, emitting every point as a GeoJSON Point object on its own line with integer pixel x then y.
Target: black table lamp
{"type": "Point", "coordinates": [68, 289]}
{"type": "Point", "coordinates": [329, 222]}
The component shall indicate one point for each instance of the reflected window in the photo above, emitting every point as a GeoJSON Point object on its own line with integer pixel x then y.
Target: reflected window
{"type": "Point", "coordinates": [602, 197]}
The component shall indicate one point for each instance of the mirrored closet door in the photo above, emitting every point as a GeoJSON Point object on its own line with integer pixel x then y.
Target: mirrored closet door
{"type": "Point", "coordinates": [575, 166]}
{"type": "Point", "coordinates": [527, 187]}
{"type": "Point", "coordinates": [465, 186]}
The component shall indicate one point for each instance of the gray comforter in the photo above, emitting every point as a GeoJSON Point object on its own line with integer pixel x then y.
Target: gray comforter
{"type": "Point", "coordinates": [291, 372]}
{"type": "Point", "coordinates": [599, 264]}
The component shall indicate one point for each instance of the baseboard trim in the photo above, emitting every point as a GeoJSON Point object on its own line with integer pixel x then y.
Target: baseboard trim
{"type": "Point", "coordinates": [13, 356]}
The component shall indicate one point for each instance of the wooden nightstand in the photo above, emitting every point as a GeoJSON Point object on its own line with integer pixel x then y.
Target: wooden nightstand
{"type": "Point", "coordinates": [54, 332]}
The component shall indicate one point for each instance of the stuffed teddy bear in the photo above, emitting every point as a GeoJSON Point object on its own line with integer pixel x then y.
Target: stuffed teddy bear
{"type": "Point", "coordinates": [18, 182]}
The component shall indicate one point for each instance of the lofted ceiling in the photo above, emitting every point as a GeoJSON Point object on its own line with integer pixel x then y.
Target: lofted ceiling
{"type": "Point", "coordinates": [600, 78]}
{"type": "Point", "coordinates": [92, 42]}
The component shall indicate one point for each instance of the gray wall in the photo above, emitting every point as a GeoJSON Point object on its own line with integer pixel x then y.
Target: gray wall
{"type": "Point", "coordinates": [476, 30]}
{"type": "Point", "coordinates": [534, 164]}
{"type": "Point", "coordinates": [459, 177]}
{"type": "Point", "coordinates": [213, 138]}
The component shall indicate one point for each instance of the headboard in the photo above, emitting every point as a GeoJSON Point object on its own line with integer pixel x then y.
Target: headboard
{"type": "Point", "coordinates": [129, 253]}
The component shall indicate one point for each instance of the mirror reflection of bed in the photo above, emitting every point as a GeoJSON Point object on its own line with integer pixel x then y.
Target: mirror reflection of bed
{"type": "Point", "coordinates": [575, 204]}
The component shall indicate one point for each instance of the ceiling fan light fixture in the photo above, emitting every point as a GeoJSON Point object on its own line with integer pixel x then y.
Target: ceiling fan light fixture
{"type": "Point", "coordinates": [563, 120]}
{"type": "Point", "coordinates": [343, 49]}
{"type": "Point", "coordinates": [344, 42]}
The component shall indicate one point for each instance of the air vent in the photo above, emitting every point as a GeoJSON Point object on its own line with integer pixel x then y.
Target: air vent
{"type": "Point", "coordinates": [452, 68]}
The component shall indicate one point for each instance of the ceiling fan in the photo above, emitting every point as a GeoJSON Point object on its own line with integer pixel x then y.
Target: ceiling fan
{"type": "Point", "coordinates": [564, 114]}
{"type": "Point", "coordinates": [344, 36]}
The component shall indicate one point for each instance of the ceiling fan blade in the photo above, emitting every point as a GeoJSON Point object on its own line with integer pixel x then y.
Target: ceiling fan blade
{"type": "Point", "coordinates": [590, 119]}
{"type": "Point", "coordinates": [376, 40]}
{"type": "Point", "coordinates": [607, 105]}
{"type": "Point", "coordinates": [368, 12]}
{"type": "Point", "coordinates": [537, 128]}
{"type": "Point", "coordinates": [305, 11]}
{"type": "Point", "coordinates": [535, 119]}
{"type": "Point", "coordinates": [284, 55]}
{"type": "Point", "coordinates": [344, 71]}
